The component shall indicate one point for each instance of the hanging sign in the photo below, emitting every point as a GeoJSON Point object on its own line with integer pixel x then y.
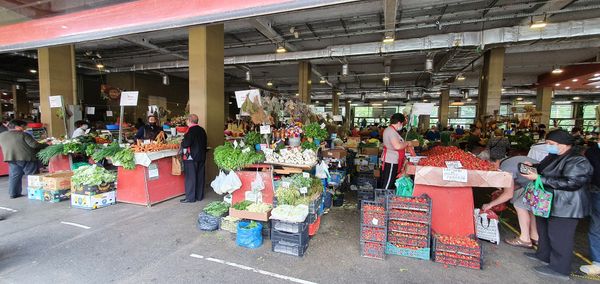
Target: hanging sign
{"type": "Point", "coordinates": [129, 98]}
{"type": "Point", "coordinates": [109, 113]}
{"type": "Point", "coordinates": [454, 164]}
{"type": "Point", "coordinates": [90, 110]}
{"type": "Point", "coordinates": [55, 101]}
{"type": "Point", "coordinates": [422, 108]}
{"type": "Point", "coordinates": [240, 96]}
{"type": "Point", "coordinates": [265, 129]}
{"type": "Point", "coordinates": [337, 118]}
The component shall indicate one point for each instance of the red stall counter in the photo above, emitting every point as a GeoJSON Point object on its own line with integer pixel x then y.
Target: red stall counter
{"type": "Point", "coordinates": [151, 181]}
{"type": "Point", "coordinates": [60, 163]}
{"type": "Point", "coordinates": [3, 165]}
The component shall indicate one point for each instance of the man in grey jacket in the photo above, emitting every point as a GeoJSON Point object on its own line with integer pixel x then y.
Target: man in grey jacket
{"type": "Point", "coordinates": [19, 150]}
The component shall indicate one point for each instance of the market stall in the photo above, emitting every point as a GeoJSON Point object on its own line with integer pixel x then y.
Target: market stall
{"type": "Point", "coordinates": [3, 165]}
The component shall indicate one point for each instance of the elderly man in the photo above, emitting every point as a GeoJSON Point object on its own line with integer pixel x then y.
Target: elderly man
{"type": "Point", "coordinates": [19, 150]}
{"type": "Point", "coordinates": [194, 156]}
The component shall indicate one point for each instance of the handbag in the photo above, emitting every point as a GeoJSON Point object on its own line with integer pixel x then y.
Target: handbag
{"type": "Point", "coordinates": [176, 166]}
{"type": "Point", "coordinates": [538, 198]}
{"type": "Point", "coordinates": [486, 226]}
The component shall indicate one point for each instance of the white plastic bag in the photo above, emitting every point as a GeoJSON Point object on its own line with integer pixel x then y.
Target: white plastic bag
{"type": "Point", "coordinates": [217, 183]}
{"type": "Point", "coordinates": [231, 183]}
{"type": "Point", "coordinates": [257, 184]}
{"type": "Point", "coordinates": [322, 170]}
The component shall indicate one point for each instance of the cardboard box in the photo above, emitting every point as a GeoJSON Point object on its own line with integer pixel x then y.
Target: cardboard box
{"type": "Point", "coordinates": [58, 181]}
{"type": "Point", "coordinates": [370, 151]}
{"type": "Point", "coordinates": [91, 202]}
{"type": "Point", "coordinates": [475, 178]}
{"type": "Point", "coordinates": [35, 181]}
{"type": "Point", "coordinates": [243, 214]}
{"type": "Point", "coordinates": [92, 190]}
{"type": "Point", "coordinates": [35, 193]}
{"type": "Point", "coordinates": [55, 196]}
{"type": "Point", "coordinates": [335, 153]}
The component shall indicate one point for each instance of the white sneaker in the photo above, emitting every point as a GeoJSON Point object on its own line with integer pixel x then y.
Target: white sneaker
{"type": "Point", "coordinates": [593, 269]}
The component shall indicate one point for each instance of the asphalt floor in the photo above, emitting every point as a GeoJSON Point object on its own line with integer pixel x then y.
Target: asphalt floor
{"type": "Point", "coordinates": [127, 243]}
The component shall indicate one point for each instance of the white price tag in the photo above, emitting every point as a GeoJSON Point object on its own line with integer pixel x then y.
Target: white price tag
{"type": "Point", "coordinates": [283, 152]}
{"type": "Point", "coordinates": [246, 150]}
{"type": "Point", "coordinates": [454, 175]}
{"type": "Point", "coordinates": [235, 144]}
{"type": "Point", "coordinates": [454, 164]}
{"type": "Point", "coordinates": [306, 175]}
{"type": "Point", "coordinates": [146, 142]}
{"type": "Point", "coordinates": [265, 129]}
{"type": "Point", "coordinates": [323, 125]}
{"type": "Point", "coordinates": [265, 148]}
{"type": "Point", "coordinates": [90, 110]}
{"type": "Point", "coordinates": [285, 184]}
{"type": "Point", "coordinates": [152, 171]}
{"type": "Point", "coordinates": [242, 144]}
{"type": "Point", "coordinates": [129, 98]}
{"type": "Point", "coordinates": [375, 222]}
{"type": "Point", "coordinates": [337, 118]}
{"type": "Point", "coordinates": [55, 101]}
{"type": "Point", "coordinates": [109, 113]}
{"type": "Point", "coordinates": [303, 190]}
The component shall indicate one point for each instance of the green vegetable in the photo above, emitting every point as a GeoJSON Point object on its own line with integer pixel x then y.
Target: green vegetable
{"type": "Point", "coordinates": [126, 158]}
{"type": "Point", "coordinates": [252, 138]}
{"type": "Point", "coordinates": [90, 149]}
{"type": "Point", "coordinates": [242, 205]}
{"type": "Point", "coordinates": [250, 225]}
{"type": "Point", "coordinates": [109, 151]}
{"type": "Point", "coordinates": [49, 152]}
{"type": "Point", "coordinates": [309, 145]}
{"type": "Point", "coordinates": [216, 208]}
{"type": "Point", "coordinates": [228, 158]}
{"type": "Point", "coordinates": [92, 175]}
{"type": "Point", "coordinates": [314, 130]}
{"type": "Point", "coordinates": [412, 135]}
{"type": "Point", "coordinates": [73, 148]}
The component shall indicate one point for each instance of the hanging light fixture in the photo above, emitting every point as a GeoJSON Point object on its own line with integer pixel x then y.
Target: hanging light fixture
{"type": "Point", "coordinates": [345, 69]}
{"type": "Point", "coordinates": [576, 98]}
{"type": "Point", "coordinates": [460, 77]}
{"type": "Point", "coordinates": [165, 80]}
{"type": "Point", "coordinates": [428, 64]}
{"type": "Point", "coordinates": [99, 65]}
{"type": "Point", "coordinates": [322, 80]}
{"type": "Point", "coordinates": [556, 70]}
{"type": "Point", "coordinates": [281, 49]}
{"type": "Point", "coordinates": [388, 39]}
{"type": "Point", "coordinates": [408, 93]}
{"type": "Point", "coordinates": [269, 84]}
{"type": "Point", "coordinates": [539, 24]}
{"type": "Point", "coordinates": [32, 71]}
{"type": "Point", "coordinates": [248, 76]}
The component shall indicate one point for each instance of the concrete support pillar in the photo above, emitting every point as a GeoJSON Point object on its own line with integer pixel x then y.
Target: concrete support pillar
{"type": "Point", "coordinates": [544, 104]}
{"type": "Point", "coordinates": [578, 114]}
{"type": "Point", "coordinates": [207, 85]}
{"type": "Point", "coordinates": [304, 81]}
{"type": "Point", "coordinates": [56, 70]}
{"type": "Point", "coordinates": [347, 115]}
{"type": "Point", "coordinates": [444, 107]}
{"type": "Point", "coordinates": [490, 83]}
{"type": "Point", "coordinates": [335, 102]}
{"type": "Point", "coordinates": [21, 105]}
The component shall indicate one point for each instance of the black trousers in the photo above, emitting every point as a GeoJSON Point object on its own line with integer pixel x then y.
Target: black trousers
{"type": "Point", "coordinates": [194, 180]}
{"type": "Point", "coordinates": [387, 180]}
{"type": "Point", "coordinates": [557, 238]}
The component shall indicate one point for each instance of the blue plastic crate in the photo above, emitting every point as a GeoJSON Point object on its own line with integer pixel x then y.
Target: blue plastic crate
{"type": "Point", "coordinates": [336, 176]}
{"type": "Point", "coordinates": [423, 253]}
{"type": "Point", "coordinates": [328, 200]}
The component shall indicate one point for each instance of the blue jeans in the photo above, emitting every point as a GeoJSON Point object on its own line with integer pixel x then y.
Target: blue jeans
{"type": "Point", "coordinates": [594, 234]}
{"type": "Point", "coordinates": [16, 170]}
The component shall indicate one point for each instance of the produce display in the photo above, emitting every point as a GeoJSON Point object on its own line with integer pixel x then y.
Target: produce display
{"type": "Point", "coordinates": [438, 156]}
{"type": "Point", "coordinates": [315, 131]}
{"type": "Point", "coordinates": [252, 138]}
{"type": "Point", "coordinates": [373, 250]}
{"type": "Point", "coordinates": [292, 156]}
{"type": "Point", "coordinates": [457, 245]}
{"type": "Point", "coordinates": [288, 192]}
{"type": "Point", "coordinates": [410, 203]}
{"type": "Point", "coordinates": [408, 239]}
{"type": "Point", "coordinates": [373, 234]}
{"type": "Point", "coordinates": [125, 158]}
{"type": "Point", "coordinates": [153, 147]}
{"type": "Point", "coordinates": [216, 208]}
{"type": "Point", "coordinates": [228, 157]}
{"type": "Point", "coordinates": [252, 207]}
{"type": "Point", "coordinates": [290, 213]}
{"type": "Point", "coordinates": [108, 151]}
{"type": "Point", "coordinates": [373, 215]}
{"type": "Point", "coordinates": [408, 227]}
{"type": "Point", "coordinates": [242, 205]}
{"type": "Point", "coordinates": [92, 176]}
{"type": "Point", "coordinates": [409, 215]}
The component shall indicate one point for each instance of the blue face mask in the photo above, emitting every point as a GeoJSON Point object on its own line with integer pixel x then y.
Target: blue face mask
{"type": "Point", "coordinates": [552, 149]}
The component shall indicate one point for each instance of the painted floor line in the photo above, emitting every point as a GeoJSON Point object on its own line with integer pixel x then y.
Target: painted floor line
{"type": "Point", "coordinates": [8, 209]}
{"type": "Point", "coordinates": [275, 275]}
{"type": "Point", "coordinates": [76, 225]}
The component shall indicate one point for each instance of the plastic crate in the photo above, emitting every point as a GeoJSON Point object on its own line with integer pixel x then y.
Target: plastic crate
{"type": "Point", "coordinates": [311, 218]}
{"type": "Point", "coordinates": [373, 217]}
{"type": "Point", "coordinates": [410, 203]}
{"type": "Point", "coordinates": [314, 227]}
{"type": "Point", "coordinates": [315, 204]}
{"type": "Point", "coordinates": [468, 262]}
{"type": "Point", "coordinates": [414, 252]}
{"type": "Point", "coordinates": [372, 250]}
{"type": "Point", "coordinates": [336, 176]}
{"type": "Point", "coordinates": [365, 194]}
{"type": "Point", "coordinates": [366, 180]}
{"type": "Point", "coordinates": [408, 227]}
{"type": "Point", "coordinates": [298, 239]}
{"type": "Point", "coordinates": [373, 233]}
{"type": "Point", "coordinates": [328, 200]}
{"type": "Point", "coordinates": [289, 227]}
{"type": "Point", "coordinates": [381, 195]}
{"type": "Point", "coordinates": [438, 246]}
{"type": "Point", "coordinates": [410, 215]}
{"type": "Point", "coordinates": [285, 248]}
{"type": "Point", "coordinates": [409, 239]}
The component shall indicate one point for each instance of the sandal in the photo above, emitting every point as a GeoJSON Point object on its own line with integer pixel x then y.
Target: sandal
{"type": "Point", "coordinates": [534, 242]}
{"type": "Point", "coordinates": [518, 243]}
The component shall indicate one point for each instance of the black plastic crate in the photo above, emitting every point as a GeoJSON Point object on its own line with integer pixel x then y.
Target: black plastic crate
{"type": "Point", "coordinates": [315, 204]}
{"type": "Point", "coordinates": [285, 248]}
{"type": "Point", "coordinates": [298, 239]}
{"type": "Point", "coordinates": [365, 194]}
{"type": "Point", "coordinates": [373, 217]}
{"type": "Point", "coordinates": [374, 250]}
{"type": "Point", "coordinates": [382, 195]}
{"type": "Point", "coordinates": [312, 217]}
{"type": "Point", "coordinates": [373, 233]}
{"type": "Point", "coordinates": [410, 203]}
{"type": "Point", "coordinates": [365, 180]}
{"type": "Point", "coordinates": [289, 227]}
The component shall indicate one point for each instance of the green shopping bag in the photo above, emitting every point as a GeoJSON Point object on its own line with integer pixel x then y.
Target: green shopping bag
{"type": "Point", "coordinates": [538, 198]}
{"type": "Point", "coordinates": [404, 186]}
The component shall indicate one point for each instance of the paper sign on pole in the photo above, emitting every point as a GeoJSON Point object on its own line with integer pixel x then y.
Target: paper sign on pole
{"type": "Point", "coordinates": [129, 98]}
{"type": "Point", "coordinates": [240, 96]}
{"type": "Point", "coordinates": [265, 129]}
{"type": "Point", "coordinates": [109, 113]}
{"type": "Point", "coordinates": [422, 108]}
{"type": "Point", "coordinates": [90, 110]}
{"type": "Point", "coordinates": [55, 101]}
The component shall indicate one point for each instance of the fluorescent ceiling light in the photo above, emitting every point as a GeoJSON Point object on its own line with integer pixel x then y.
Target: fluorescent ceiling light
{"type": "Point", "coordinates": [519, 99]}
{"type": "Point", "coordinates": [388, 39]}
{"type": "Point", "coordinates": [385, 101]}
{"type": "Point", "coordinates": [461, 77]}
{"type": "Point", "coordinates": [557, 70]}
{"type": "Point", "coordinates": [33, 71]}
{"type": "Point", "coordinates": [575, 80]}
{"type": "Point", "coordinates": [269, 84]}
{"type": "Point", "coordinates": [538, 24]}
{"type": "Point", "coordinates": [567, 87]}
{"type": "Point", "coordinates": [280, 49]}
{"type": "Point", "coordinates": [576, 98]}
{"type": "Point", "coordinates": [386, 78]}
{"type": "Point", "coordinates": [375, 104]}
{"type": "Point", "coordinates": [297, 95]}
{"type": "Point", "coordinates": [557, 84]}
{"type": "Point", "coordinates": [322, 81]}
{"type": "Point", "coordinates": [100, 65]}
{"type": "Point", "coordinates": [469, 99]}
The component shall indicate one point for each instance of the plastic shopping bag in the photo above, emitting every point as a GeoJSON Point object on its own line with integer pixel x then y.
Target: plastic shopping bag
{"type": "Point", "coordinates": [207, 222]}
{"type": "Point", "coordinates": [404, 186]}
{"type": "Point", "coordinates": [231, 183]}
{"type": "Point", "coordinates": [486, 226]}
{"type": "Point", "coordinates": [257, 184]}
{"type": "Point", "coordinates": [322, 170]}
{"type": "Point", "coordinates": [538, 198]}
{"type": "Point", "coordinates": [217, 183]}
{"type": "Point", "coordinates": [249, 234]}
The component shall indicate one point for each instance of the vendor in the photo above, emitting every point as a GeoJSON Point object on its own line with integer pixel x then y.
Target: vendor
{"type": "Point", "coordinates": [393, 152]}
{"type": "Point", "coordinates": [82, 128]}
{"type": "Point", "coordinates": [150, 130]}
{"type": "Point", "coordinates": [475, 144]}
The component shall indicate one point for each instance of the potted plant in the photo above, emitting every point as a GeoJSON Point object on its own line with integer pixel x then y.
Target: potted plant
{"type": "Point", "coordinates": [293, 134]}
{"type": "Point", "coordinates": [315, 133]}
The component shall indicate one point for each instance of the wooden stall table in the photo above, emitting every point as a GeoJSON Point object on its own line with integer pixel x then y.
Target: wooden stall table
{"type": "Point", "coordinates": [452, 200]}
{"type": "Point", "coordinates": [151, 181]}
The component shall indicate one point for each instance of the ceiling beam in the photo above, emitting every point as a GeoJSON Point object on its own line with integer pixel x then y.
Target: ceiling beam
{"type": "Point", "coordinates": [390, 12]}
{"type": "Point", "coordinates": [143, 42]}
{"type": "Point", "coordinates": [547, 7]}
{"type": "Point", "coordinates": [264, 27]}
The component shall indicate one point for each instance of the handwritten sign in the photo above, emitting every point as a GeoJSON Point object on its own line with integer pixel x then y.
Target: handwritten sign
{"type": "Point", "coordinates": [109, 113]}
{"type": "Point", "coordinates": [129, 98]}
{"type": "Point", "coordinates": [454, 175]}
{"type": "Point", "coordinates": [55, 101]}
{"type": "Point", "coordinates": [246, 150]}
{"type": "Point", "coordinates": [90, 110]}
{"type": "Point", "coordinates": [303, 190]}
{"type": "Point", "coordinates": [265, 129]}
{"type": "Point", "coordinates": [454, 164]}
{"type": "Point", "coordinates": [306, 175]}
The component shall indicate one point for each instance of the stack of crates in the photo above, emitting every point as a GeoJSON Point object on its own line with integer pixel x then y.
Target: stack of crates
{"type": "Point", "coordinates": [373, 229]}
{"type": "Point", "coordinates": [55, 187]}
{"type": "Point", "coordinates": [315, 210]}
{"type": "Point", "coordinates": [409, 226]}
{"type": "Point", "coordinates": [458, 251]}
{"type": "Point", "coordinates": [289, 238]}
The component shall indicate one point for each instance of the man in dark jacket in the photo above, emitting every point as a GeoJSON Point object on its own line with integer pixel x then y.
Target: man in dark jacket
{"type": "Point", "coordinates": [565, 173]}
{"type": "Point", "coordinates": [593, 155]}
{"type": "Point", "coordinates": [194, 156]}
{"type": "Point", "coordinates": [19, 150]}
{"type": "Point", "coordinates": [150, 130]}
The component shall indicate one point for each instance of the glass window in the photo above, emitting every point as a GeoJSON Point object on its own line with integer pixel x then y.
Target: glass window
{"type": "Point", "coordinates": [504, 109]}
{"type": "Point", "coordinates": [467, 111]}
{"type": "Point", "coordinates": [589, 111]}
{"type": "Point", "coordinates": [362, 111]}
{"type": "Point", "coordinates": [561, 111]}
{"type": "Point", "coordinates": [460, 121]}
{"type": "Point", "coordinates": [434, 111]}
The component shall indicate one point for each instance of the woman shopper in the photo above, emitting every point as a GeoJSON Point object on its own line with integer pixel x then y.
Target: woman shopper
{"type": "Point", "coordinates": [393, 152]}
{"type": "Point", "coordinates": [567, 174]}
{"type": "Point", "coordinates": [593, 155]}
{"type": "Point", "coordinates": [498, 146]}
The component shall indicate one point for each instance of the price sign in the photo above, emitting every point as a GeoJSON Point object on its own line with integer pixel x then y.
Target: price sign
{"type": "Point", "coordinates": [129, 98]}
{"type": "Point", "coordinates": [55, 101]}
{"type": "Point", "coordinates": [337, 118]}
{"type": "Point", "coordinates": [375, 221]}
{"type": "Point", "coordinates": [306, 175]}
{"type": "Point", "coordinates": [265, 148]}
{"type": "Point", "coordinates": [285, 184]}
{"type": "Point", "coordinates": [246, 150]}
{"type": "Point", "coordinates": [109, 113]}
{"type": "Point", "coordinates": [265, 129]}
{"type": "Point", "coordinates": [303, 190]}
{"type": "Point", "coordinates": [323, 125]}
{"type": "Point", "coordinates": [454, 164]}
{"type": "Point", "coordinates": [152, 171]}
{"type": "Point", "coordinates": [242, 144]}
{"type": "Point", "coordinates": [235, 144]}
{"type": "Point", "coordinates": [454, 175]}
{"type": "Point", "coordinates": [90, 110]}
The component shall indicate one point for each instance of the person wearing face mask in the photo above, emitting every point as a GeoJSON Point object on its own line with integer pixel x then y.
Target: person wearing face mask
{"type": "Point", "coordinates": [565, 173]}
{"type": "Point", "coordinates": [82, 127]}
{"type": "Point", "coordinates": [393, 152]}
{"type": "Point", "coordinates": [150, 130]}
{"type": "Point", "coordinates": [593, 155]}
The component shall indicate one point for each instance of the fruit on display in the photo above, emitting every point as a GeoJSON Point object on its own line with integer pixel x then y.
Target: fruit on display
{"type": "Point", "coordinates": [235, 130]}
{"type": "Point", "coordinates": [153, 147]}
{"type": "Point", "coordinates": [438, 156]}
{"type": "Point", "coordinates": [373, 249]}
{"type": "Point", "coordinates": [410, 203]}
{"type": "Point", "coordinates": [292, 156]}
{"type": "Point", "coordinates": [408, 227]}
{"type": "Point", "coordinates": [458, 245]}
{"type": "Point", "coordinates": [408, 239]}
{"type": "Point", "coordinates": [373, 234]}
{"type": "Point", "coordinates": [92, 176]}
{"type": "Point", "coordinates": [373, 215]}
{"type": "Point", "coordinates": [409, 215]}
